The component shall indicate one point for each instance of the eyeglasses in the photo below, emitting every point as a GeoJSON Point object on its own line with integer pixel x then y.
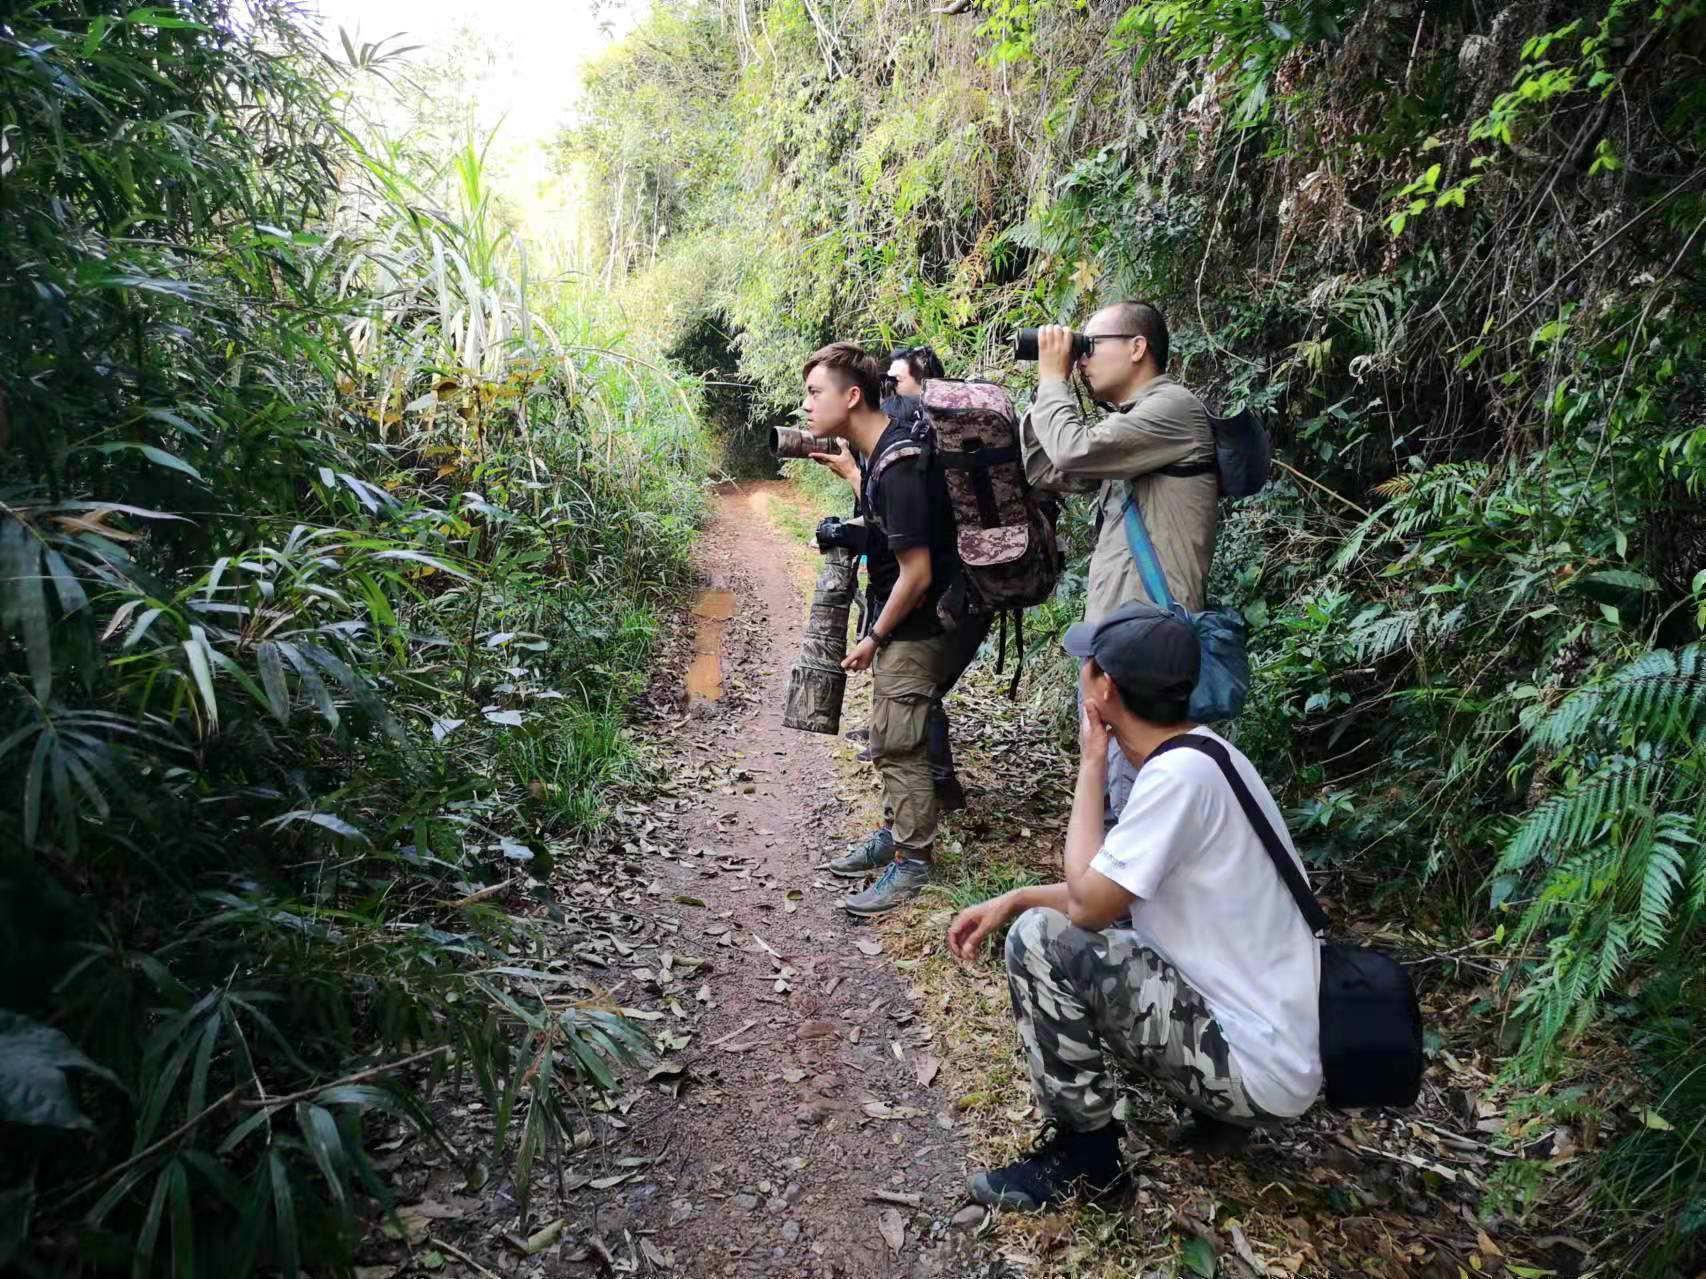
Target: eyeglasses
{"type": "Point", "coordinates": [1093, 338]}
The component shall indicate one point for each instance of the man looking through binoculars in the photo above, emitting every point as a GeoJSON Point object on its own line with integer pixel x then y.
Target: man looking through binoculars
{"type": "Point", "coordinates": [1150, 424]}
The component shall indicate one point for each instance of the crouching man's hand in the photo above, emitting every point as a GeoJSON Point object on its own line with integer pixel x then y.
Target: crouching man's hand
{"type": "Point", "coordinates": [972, 926]}
{"type": "Point", "coordinates": [1093, 733]}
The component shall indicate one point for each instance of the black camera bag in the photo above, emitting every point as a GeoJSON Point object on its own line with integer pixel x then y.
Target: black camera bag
{"type": "Point", "coordinates": [1371, 1025]}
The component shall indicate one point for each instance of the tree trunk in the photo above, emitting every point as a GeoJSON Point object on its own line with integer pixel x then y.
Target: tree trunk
{"type": "Point", "coordinates": [616, 223]}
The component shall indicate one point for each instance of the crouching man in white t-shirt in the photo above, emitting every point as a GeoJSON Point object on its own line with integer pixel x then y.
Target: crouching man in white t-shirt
{"type": "Point", "coordinates": [1172, 946]}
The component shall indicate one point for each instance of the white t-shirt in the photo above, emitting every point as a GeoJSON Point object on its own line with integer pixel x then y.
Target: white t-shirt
{"type": "Point", "coordinates": [1211, 902]}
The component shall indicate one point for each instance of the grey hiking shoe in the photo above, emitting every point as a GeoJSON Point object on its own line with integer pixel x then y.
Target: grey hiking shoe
{"type": "Point", "coordinates": [873, 854]}
{"type": "Point", "coordinates": [899, 884]}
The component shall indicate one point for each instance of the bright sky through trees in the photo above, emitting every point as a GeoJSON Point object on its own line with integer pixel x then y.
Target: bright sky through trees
{"type": "Point", "coordinates": [517, 65]}
{"type": "Point", "coordinates": [541, 42]}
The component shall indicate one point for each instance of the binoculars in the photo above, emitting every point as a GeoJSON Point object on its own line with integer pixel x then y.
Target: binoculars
{"type": "Point", "coordinates": [787, 441]}
{"type": "Point", "coordinates": [1025, 345]}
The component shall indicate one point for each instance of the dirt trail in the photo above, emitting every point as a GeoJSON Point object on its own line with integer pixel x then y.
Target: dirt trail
{"type": "Point", "coordinates": [801, 1094]}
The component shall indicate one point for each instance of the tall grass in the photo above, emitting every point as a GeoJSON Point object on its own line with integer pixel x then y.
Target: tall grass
{"type": "Point", "coordinates": [327, 530]}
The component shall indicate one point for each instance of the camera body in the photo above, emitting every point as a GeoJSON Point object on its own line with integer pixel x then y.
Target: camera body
{"type": "Point", "coordinates": [1025, 345]}
{"type": "Point", "coordinates": [788, 441]}
{"type": "Point", "coordinates": [834, 531]}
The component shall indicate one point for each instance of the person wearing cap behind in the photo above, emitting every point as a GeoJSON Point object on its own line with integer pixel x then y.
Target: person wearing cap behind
{"type": "Point", "coordinates": [1172, 946]}
{"type": "Point", "coordinates": [1147, 446]}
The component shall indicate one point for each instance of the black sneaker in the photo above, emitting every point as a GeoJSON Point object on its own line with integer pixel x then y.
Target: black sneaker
{"type": "Point", "coordinates": [1065, 1164]}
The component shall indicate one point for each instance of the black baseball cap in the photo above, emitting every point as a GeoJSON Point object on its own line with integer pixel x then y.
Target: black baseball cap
{"type": "Point", "coordinates": [1150, 654]}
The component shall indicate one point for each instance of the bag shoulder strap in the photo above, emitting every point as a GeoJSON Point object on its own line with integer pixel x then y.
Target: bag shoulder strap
{"type": "Point", "coordinates": [1313, 915]}
{"type": "Point", "coordinates": [1143, 551]}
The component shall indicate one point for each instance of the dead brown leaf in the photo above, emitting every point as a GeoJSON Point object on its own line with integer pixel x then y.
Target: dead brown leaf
{"type": "Point", "coordinates": [893, 1229]}
{"type": "Point", "coordinates": [545, 1236]}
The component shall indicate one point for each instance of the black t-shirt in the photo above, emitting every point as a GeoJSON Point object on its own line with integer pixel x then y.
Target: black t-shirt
{"type": "Point", "coordinates": [910, 509]}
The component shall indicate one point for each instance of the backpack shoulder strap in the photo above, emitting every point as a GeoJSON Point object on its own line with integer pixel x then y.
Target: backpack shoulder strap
{"type": "Point", "coordinates": [1209, 465]}
{"type": "Point", "coordinates": [1184, 470]}
{"type": "Point", "coordinates": [895, 453]}
{"type": "Point", "coordinates": [1313, 915]}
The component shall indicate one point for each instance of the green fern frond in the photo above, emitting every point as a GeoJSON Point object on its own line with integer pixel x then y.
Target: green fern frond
{"type": "Point", "coordinates": [1608, 963]}
{"type": "Point", "coordinates": [1377, 636]}
{"type": "Point", "coordinates": [1571, 819]}
{"type": "Point", "coordinates": [1661, 695]}
{"type": "Point", "coordinates": [1696, 904]}
{"type": "Point", "coordinates": [1568, 887]}
{"type": "Point", "coordinates": [1420, 504]}
{"type": "Point", "coordinates": [1661, 877]}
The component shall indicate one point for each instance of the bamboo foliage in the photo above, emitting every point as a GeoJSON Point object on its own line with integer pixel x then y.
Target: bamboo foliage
{"type": "Point", "coordinates": [299, 462]}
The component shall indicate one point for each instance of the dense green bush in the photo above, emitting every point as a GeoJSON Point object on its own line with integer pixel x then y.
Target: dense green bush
{"type": "Point", "coordinates": [329, 549]}
{"type": "Point", "coordinates": [1453, 252]}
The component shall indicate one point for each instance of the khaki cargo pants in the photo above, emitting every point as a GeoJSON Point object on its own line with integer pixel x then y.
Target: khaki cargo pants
{"type": "Point", "coordinates": [907, 676]}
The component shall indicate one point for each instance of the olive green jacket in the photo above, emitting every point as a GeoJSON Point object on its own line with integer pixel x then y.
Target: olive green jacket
{"type": "Point", "coordinates": [1111, 457]}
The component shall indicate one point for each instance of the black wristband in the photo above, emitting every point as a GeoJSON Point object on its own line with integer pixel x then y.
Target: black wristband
{"type": "Point", "coordinates": [879, 639]}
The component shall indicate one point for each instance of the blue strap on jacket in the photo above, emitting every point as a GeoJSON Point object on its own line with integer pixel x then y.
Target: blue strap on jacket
{"type": "Point", "coordinates": [1223, 681]}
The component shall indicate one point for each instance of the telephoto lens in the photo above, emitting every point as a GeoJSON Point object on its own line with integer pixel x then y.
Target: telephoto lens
{"type": "Point", "coordinates": [787, 441]}
{"type": "Point", "coordinates": [1025, 345]}
{"type": "Point", "coordinates": [817, 684]}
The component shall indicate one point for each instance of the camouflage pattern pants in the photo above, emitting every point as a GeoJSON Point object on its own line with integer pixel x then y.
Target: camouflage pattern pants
{"type": "Point", "coordinates": [1082, 997]}
{"type": "Point", "coordinates": [907, 677]}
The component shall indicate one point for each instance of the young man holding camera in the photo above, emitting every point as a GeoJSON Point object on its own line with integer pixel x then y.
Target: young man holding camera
{"type": "Point", "coordinates": [1152, 425]}
{"type": "Point", "coordinates": [1172, 945]}
{"type": "Point", "coordinates": [909, 557]}
{"type": "Point", "coordinates": [910, 367]}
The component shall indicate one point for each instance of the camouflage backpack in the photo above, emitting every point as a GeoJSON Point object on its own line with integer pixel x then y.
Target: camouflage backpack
{"type": "Point", "coordinates": [1005, 532]}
